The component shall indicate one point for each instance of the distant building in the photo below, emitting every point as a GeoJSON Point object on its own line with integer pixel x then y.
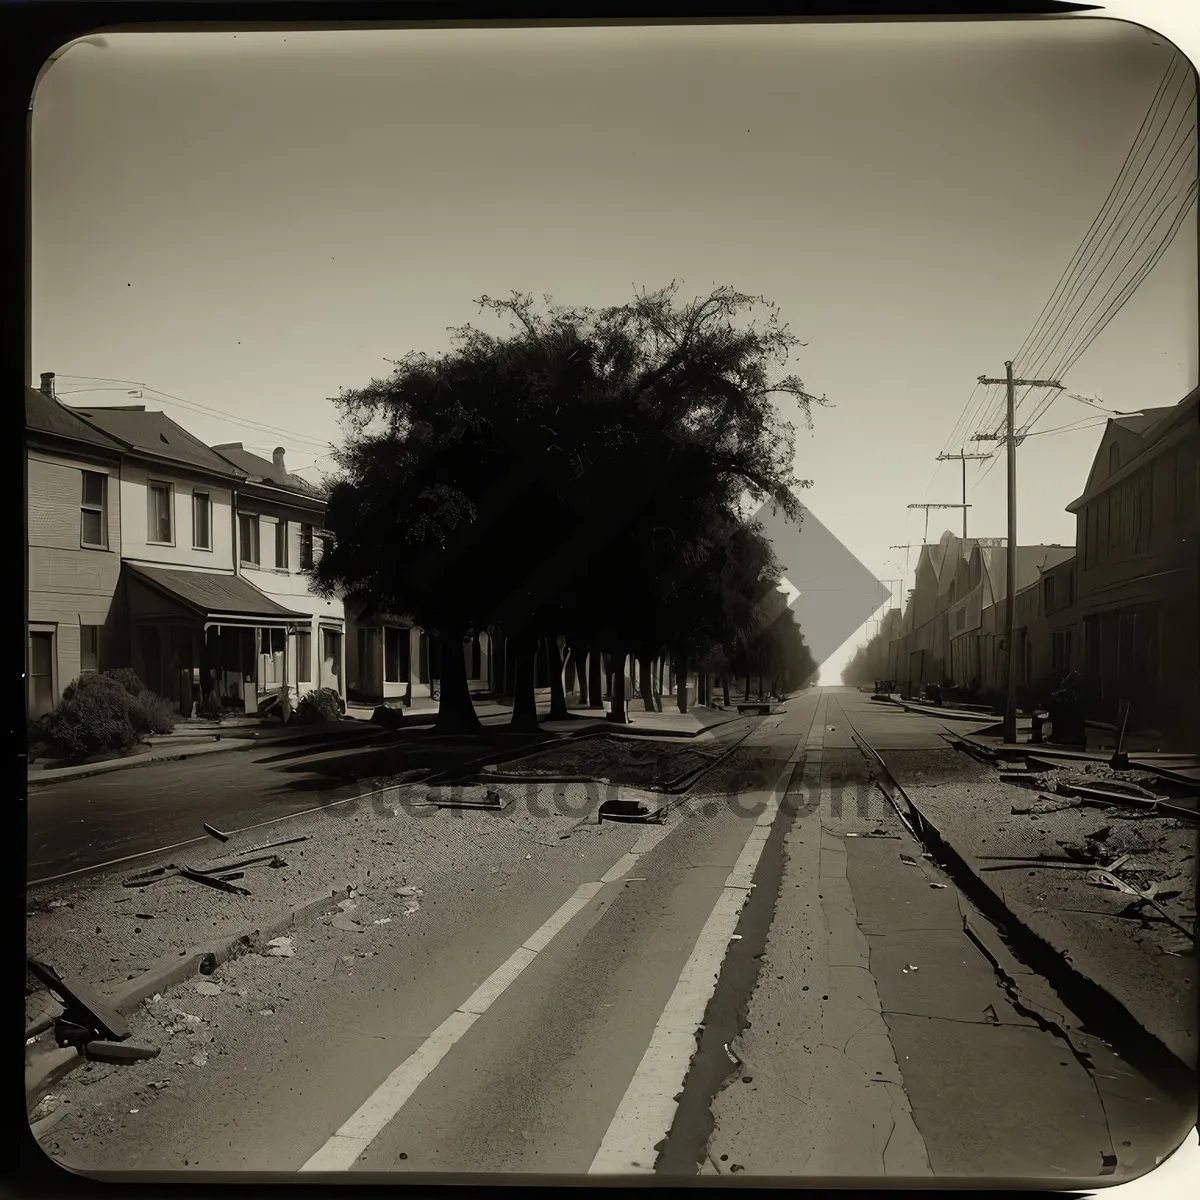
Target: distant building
{"type": "Point", "coordinates": [73, 504]}
{"type": "Point", "coordinates": [1138, 547]}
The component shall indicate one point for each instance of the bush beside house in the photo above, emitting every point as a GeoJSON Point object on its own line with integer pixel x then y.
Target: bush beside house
{"type": "Point", "coordinates": [323, 704]}
{"type": "Point", "coordinates": [104, 714]}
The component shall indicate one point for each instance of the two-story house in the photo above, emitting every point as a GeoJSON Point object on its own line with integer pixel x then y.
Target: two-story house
{"type": "Point", "coordinates": [73, 541]}
{"type": "Point", "coordinates": [184, 616]}
{"type": "Point", "coordinates": [279, 535]}
{"type": "Point", "coordinates": [1137, 532]}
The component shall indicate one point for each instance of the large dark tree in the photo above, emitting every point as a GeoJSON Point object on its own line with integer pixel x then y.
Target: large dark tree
{"type": "Point", "coordinates": [562, 480]}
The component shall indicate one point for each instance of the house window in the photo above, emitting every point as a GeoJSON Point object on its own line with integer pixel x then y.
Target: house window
{"type": "Point", "coordinates": [201, 521]}
{"type": "Point", "coordinates": [304, 656]}
{"type": "Point", "coordinates": [306, 547]}
{"type": "Point", "coordinates": [324, 542]}
{"type": "Point", "coordinates": [395, 655]}
{"type": "Point", "coordinates": [89, 648]}
{"type": "Point", "coordinates": [1144, 506]}
{"type": "Point", "coordinates": [248, 537]}
{"type": "Point", "coordinates": [41, 673]}
{"type": "Point", "coordinates": [162, 527]}
{"type": "Point", "coordinates": [1048, 593]}
{"type": "Point", "coordinates": [93, 531]}
{"type": "Point", "coordinates": [1060, 651]}
{"type": "Point", "coordinates": [1187, 483]}
{"type": "Point", "coordinates": [281, 545]}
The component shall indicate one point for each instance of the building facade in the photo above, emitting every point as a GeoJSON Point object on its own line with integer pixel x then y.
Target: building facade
{"type": "Point", "coordinates": [73, 546]}
{"type": "Point", "coordinates": [203, 613]}
{"type": "Point", "coordinates": [1138, 551]}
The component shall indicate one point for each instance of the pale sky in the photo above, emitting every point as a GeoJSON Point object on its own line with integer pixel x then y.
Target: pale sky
{"type": "Point", "coordinates": [250, 222]}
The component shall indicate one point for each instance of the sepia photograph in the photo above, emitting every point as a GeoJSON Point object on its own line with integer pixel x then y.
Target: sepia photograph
{"type": "Point", "coordinates": [614, 600]}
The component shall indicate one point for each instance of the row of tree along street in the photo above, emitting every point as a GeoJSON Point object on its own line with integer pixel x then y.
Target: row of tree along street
{"type": "Point", "coordinates": [586, 482]}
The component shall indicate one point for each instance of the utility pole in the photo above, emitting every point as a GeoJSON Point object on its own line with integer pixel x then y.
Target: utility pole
{"type": "Point", "coordinates": [962, 454]}
{"type": "Point", "coordinates": [1010, 586]}
{"type": "Point", "coordinates": [964, 506]}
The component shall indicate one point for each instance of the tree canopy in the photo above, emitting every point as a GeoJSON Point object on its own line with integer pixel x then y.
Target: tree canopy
{"type": "Point", "coordinates": [581, 472]}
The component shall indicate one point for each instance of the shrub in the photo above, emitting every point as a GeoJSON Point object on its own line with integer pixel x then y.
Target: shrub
{"type": "Point", "coordinates": [103, 687]}
{"type": "Point", "coordinates": [149, 713]}
{"type": "Point", "coordinates": [92, 718]}
{"type": "Point", "coordinates": [323, 704]}
{"type": "Point", "coordinates": [127, 678]}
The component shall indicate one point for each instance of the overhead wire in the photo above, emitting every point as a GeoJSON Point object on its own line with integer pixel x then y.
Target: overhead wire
{"type": "Point", "coordinates": [1034, 351]}
{"type": "Point", "coordinates": [1084, 336]}
{"type": "Point", "coordinates": [190, 405]}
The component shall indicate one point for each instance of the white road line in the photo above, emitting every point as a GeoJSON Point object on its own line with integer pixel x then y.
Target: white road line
{"type": "Point", "coordinates": [343, 1149]}
{"type": "Point", "coordinates": [647, 1110]}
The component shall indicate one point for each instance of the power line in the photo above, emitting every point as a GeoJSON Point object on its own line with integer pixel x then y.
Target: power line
{"type": "Point", "coordinates": [191, 405]}
{"type": "Point", "coordinates": [1084, 256]}
{"type": "Point", "coordinates": [1134, 229]}
{"type": "Point", "coordinates": [1155, 101]}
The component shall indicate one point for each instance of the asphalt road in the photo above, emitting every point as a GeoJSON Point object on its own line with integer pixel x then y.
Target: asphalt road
{"type": "Point", "coordinates": [554, 1029]}
{"type": "Point", "coordinates": [80, 824]}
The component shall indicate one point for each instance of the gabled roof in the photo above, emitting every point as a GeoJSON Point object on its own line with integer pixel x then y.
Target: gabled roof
{"type": "Point", "coordinates": [1139, 422]}
{"type": "Point", "coordinates": [1031, 562]}
{"type": "Point", "coordinates": [46, 415]}
{"type": "Point", "coordinates": [264, 469]}
{"type": "Point", "coordinates": [156, 434]}
{"type": "Point", "coordinates": [1136, 434]}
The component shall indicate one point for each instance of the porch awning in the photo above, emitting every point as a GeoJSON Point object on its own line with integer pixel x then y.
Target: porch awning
{"type": "Point", "coordinates": [215, 598]}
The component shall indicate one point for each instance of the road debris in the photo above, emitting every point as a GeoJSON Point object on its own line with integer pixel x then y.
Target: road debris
{"type": "Point", "coordinates": [207, 988]}
{"type": "Point", "coordinates": [213, 831]}
{"type": "Point", "coordinates": [344, 921]}
{"type": "Point", "coordinates": [280, 947]}
{"type": "Point", "coordinates": [119, 1052]}
{"type": "Point", "coordinates": [908, 859]}
{"type": "Point", "coordinates": [1104, 877]}
{"type": "Point", "coordinates": [81, 1005]}
{"type": "Point", "coordinates": [212, 881]}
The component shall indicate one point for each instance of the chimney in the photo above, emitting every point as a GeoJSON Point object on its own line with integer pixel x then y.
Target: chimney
{"type": "Point", "coordinates": [47, 388]}
{"type": "Point", "coordinates": [277, 459]}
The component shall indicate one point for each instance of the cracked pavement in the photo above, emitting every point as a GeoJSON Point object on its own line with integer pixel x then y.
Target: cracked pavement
{"type": "Point", "coordinates": [902, 1037]}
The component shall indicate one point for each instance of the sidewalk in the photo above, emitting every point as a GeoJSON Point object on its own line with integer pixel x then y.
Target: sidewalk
{"type": "Point", "coordinates": [192, 739]}
{"type": "Point", "coordinates": [1027, 851]}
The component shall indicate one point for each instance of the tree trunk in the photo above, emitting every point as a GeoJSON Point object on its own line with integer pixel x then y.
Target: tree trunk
{"type": "Point", "coordinates": [681, 682]}
{"type": "Point", "coordinates": [646, 676]}
{"type": "Point", "coordinates": [761, 693]}
{"type": "Point", "coordinates": [579, 660]}
{"type": "Point", "coordinates": [456, 713]}
{"type": "Point", "coordinates": [558, 692]}
{"type": "Point", "coordinates": [617, 713]}
{"type": "Point", "coordinates": [662, 671]}
{"type": "Point", "coordinates": [725, 686]}
{"type": "Point", "coordinates": [746, 697]}
{"type": "Point", "coordinates": [595, 677]}
{"type": "Point", "coordinates": [524, 713]}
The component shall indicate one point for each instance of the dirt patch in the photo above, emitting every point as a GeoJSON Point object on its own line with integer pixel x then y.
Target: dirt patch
{"type": "Point", "coordinates": [645, 764]}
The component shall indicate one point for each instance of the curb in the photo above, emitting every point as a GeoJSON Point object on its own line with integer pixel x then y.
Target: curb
{"type": "Point", "coordinates": [45, 778]}
{"type": "Point", "coordinates": [52, 1065]}
{"type": "Point", "coordinates": [1038, 951]}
